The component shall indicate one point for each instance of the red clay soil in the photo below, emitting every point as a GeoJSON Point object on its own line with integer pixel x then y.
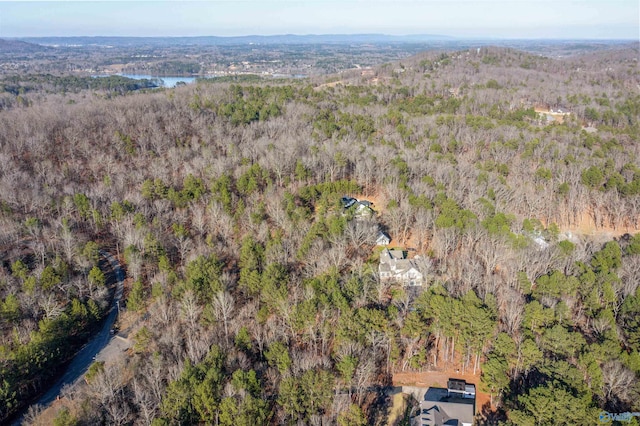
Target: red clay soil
{"type": "Point", "coordinates": [439, 379]}
{"type": "Point", "coordinates": [379, 205]}
{"type": "Point", "coordinates": [587, 226]}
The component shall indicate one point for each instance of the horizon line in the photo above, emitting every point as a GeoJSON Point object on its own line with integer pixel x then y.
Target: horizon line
{"type": "Point", "coordinates": [459, 38]}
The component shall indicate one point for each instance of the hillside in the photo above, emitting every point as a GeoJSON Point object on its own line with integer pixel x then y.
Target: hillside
{"type": "Point", "coordinates": [19, 47]}
{"type": "Point", "coordinates": [255, 297]}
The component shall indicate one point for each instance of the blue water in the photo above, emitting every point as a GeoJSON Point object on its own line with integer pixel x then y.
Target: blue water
{"type": "Point", "coordinates": [166, 81]}
{"type": "Point", "coordinates": [172, 81]}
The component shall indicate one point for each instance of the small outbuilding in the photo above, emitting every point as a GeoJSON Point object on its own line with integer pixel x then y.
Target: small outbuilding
{"type": "Point", "coordinates": [383, 239]}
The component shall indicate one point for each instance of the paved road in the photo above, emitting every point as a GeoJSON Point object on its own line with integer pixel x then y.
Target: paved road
{"type": "Point", "coordinates": [85, 357]}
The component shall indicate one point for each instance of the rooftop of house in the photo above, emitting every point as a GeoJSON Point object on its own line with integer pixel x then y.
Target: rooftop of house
{"type": "Point", "coordinates": [348, 201]}
{"type": "Point", "coordinates": [440, 408]}
{"type": "Point", "coordinates": [393, 254]}
{"type": "Point", "coordinates": [382, 237]}
{"type": "Point", "coordinates": [394, 263]}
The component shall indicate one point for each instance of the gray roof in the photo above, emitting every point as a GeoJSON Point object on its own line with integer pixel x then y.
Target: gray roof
{"type": "Point", "coordinates": [382, 236]}
{"type": "Point", "coordinates": [388, 256]}
{"type": "Point", "coordinates": [433, 416]}
{"type": "Point", "coordinates": [438, 408]}
{"type": "Point", "coordinates": [395, 261]}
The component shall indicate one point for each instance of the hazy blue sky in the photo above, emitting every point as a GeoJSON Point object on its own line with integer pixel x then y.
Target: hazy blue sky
{"type": "Point", "coordinates": [480, 18]}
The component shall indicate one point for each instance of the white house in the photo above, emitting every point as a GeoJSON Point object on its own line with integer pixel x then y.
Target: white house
{"type": "Point", "coordinates": [395, 266]}
{"type": "Point", "coordinates": [382, 239]}
{"type": "Point", "coordinates": [363, 209]}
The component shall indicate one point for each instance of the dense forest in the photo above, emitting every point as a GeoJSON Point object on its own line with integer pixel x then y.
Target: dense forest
{"type": "Point", "coordinates": [256, 295]}
{"type": "Point", "coordinates": [14, 87]}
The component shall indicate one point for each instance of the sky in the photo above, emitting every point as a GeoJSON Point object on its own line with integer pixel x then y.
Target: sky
{"type": "Point", "coordinates": [575, 19]}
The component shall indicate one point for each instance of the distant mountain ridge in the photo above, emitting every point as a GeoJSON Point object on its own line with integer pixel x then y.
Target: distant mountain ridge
{"type": "Point", "coordinates": [18, 46]}
{"type": "Point", "coordinates": [234, 40]}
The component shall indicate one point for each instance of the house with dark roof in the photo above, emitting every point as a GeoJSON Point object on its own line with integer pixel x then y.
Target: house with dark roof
{"type": "Point", "coordinates": [452, 406]}
{"type": "Point", "coordinates": [348, 201]}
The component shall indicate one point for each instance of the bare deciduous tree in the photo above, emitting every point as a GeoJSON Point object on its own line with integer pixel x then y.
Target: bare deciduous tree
{"type": "Point", "coordinates": [223, 305]}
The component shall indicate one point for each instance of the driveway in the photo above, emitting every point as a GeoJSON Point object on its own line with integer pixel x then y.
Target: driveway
{"type": "Point", "coordinates": [86, 356]}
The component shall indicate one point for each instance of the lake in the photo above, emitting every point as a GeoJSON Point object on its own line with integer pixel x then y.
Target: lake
{"type": "Point", "coordinates": [169, 81]}
{"type": "Point", "coordinates": [172, 81]}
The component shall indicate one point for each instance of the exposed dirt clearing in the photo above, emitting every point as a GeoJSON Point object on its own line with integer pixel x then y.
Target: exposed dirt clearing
{"type": "Point", "coordinates": [116, 68]}
{"type": "Point", "coordinates": [380, 206]}
{"type": "Point", "coordinates": [331, 84]}
{"type": "Point", "coordinates": [587, 226]}
{"type": "Point", "coordinates": [439, 379]}
{"type": "Point", "coordinates": [379, 202]}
